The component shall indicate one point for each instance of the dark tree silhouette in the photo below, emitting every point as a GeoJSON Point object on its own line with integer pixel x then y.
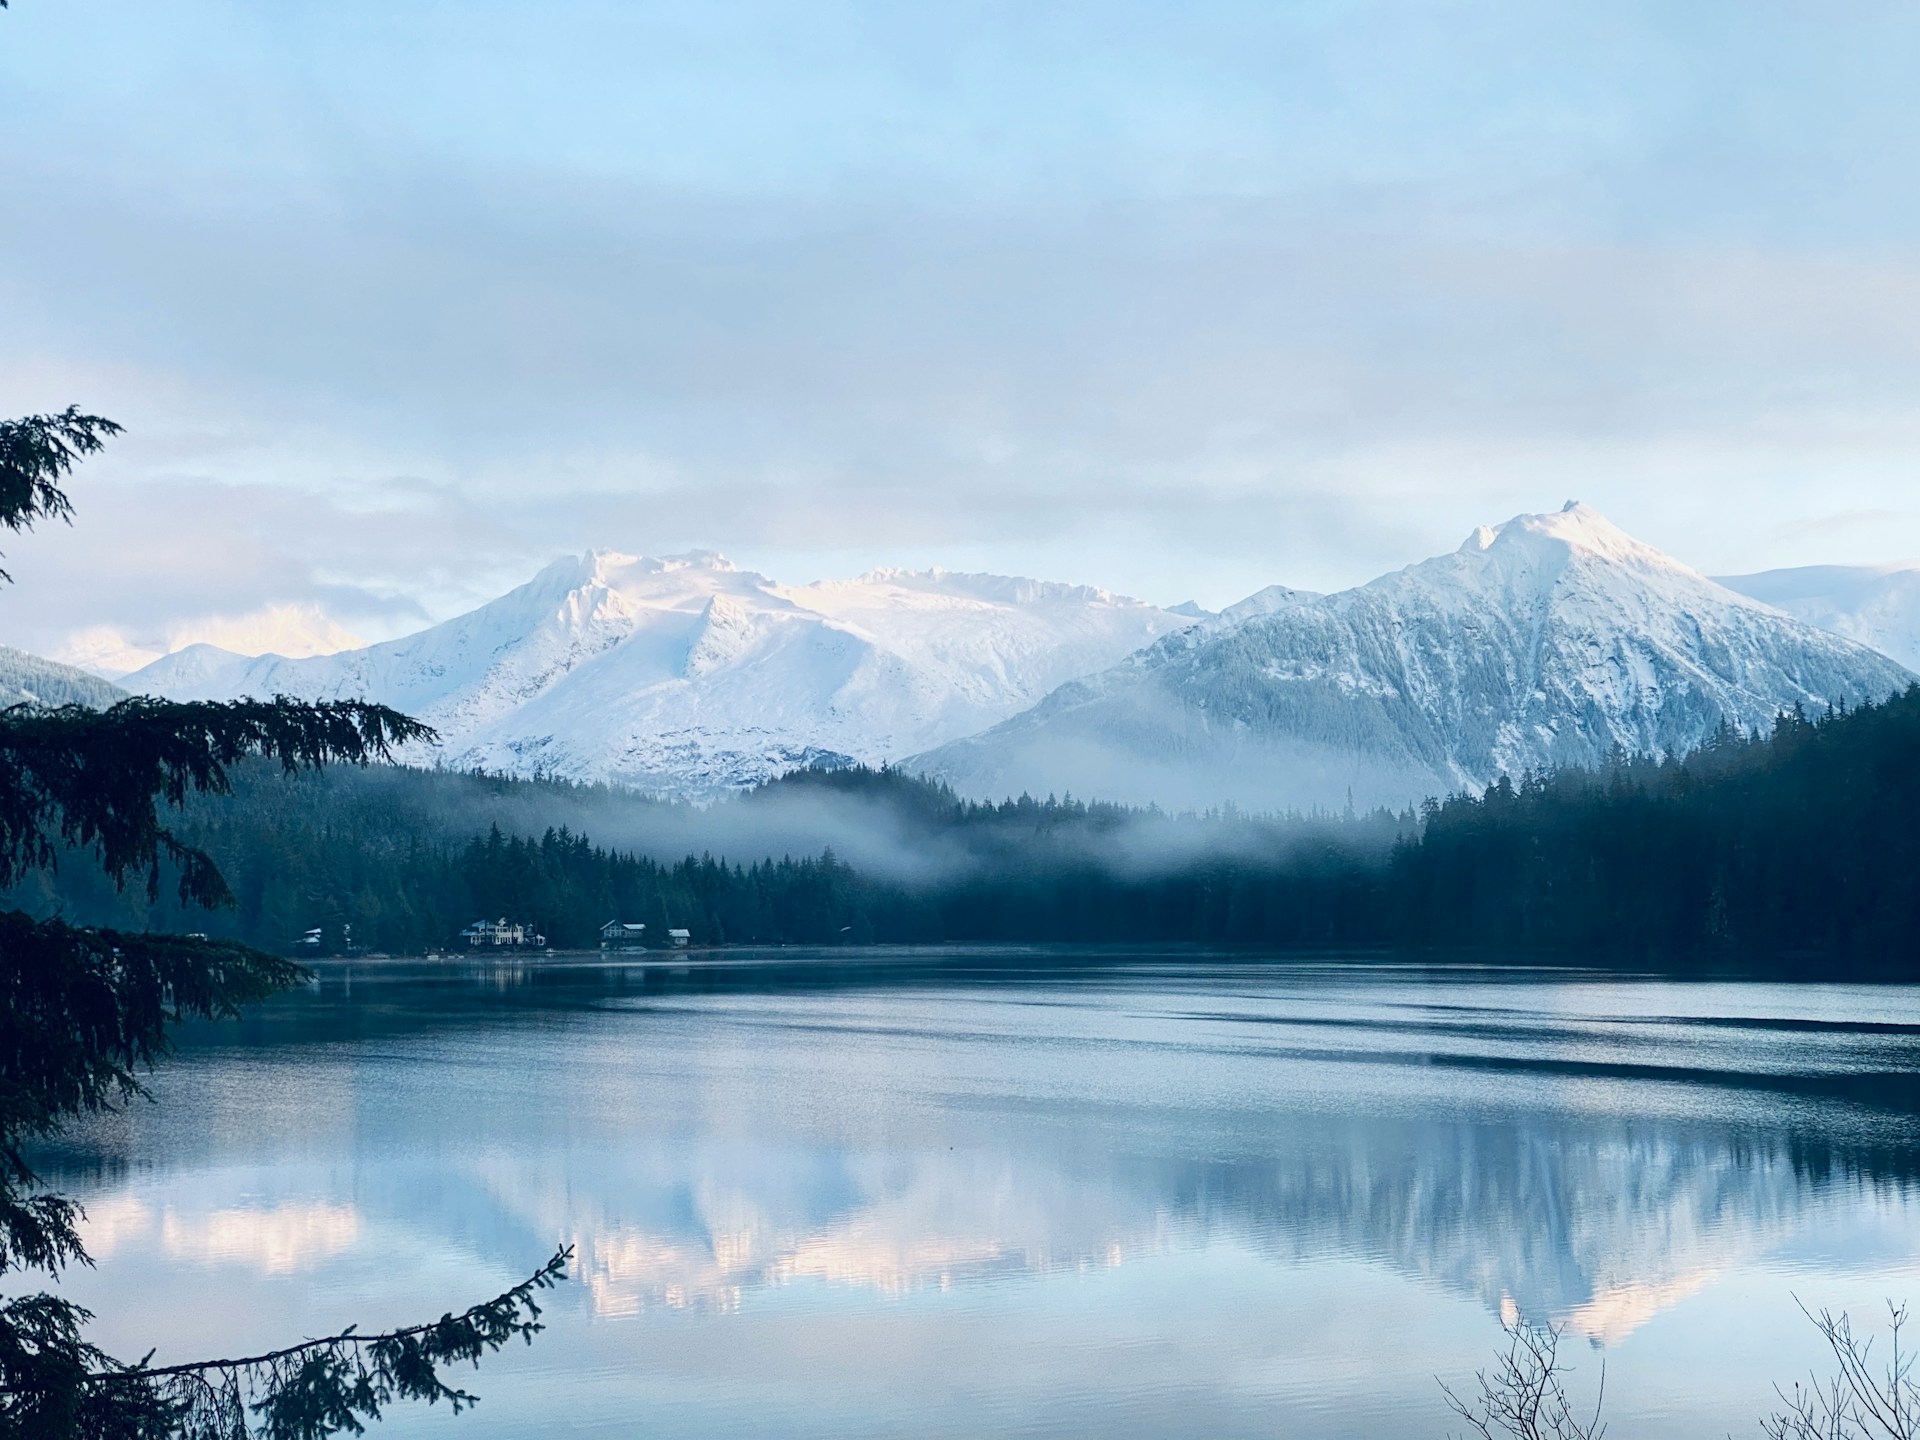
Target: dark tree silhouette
{"type": "Point", "coordinates": [84, 1012]}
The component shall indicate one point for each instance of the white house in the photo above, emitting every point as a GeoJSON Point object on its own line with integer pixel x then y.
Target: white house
{"type": "Point", "coordinates": [679, 937]}
{"type": "Point", "coordinates": [623, 935]}
{"type": "Point", "coordinates": [500, 932]}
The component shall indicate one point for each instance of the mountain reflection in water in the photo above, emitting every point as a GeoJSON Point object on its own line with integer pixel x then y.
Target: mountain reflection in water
{"type": "Point", "coordinates": [1592, 1151]}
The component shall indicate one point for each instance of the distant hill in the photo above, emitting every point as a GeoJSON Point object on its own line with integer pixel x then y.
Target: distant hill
{"type": "Point", "coordinates": [28, 679]}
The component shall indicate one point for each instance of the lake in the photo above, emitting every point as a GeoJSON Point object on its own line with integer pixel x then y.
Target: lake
{"type": "Point", "coordinates": [1033, 1194]}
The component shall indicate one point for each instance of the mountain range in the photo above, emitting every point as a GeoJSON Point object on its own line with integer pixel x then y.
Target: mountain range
{"type": "Point", "coordinates": [687, 677]}
{"type": "Point", "coordinates": [1544, 641]}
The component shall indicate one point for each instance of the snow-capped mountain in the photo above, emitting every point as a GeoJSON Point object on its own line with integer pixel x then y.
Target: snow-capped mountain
{"type": "Point", "coordinates": [1544, 641]}
{"type": "Point", "coordinates": [1877, 605]}
{"type": "Point", "coordinates": [29, 680]}
{"type": "Point", "coordinates": [686, 676]}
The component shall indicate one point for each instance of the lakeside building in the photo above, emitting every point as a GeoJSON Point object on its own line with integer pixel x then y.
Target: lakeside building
{"type": "Point", "coordinates": [680, 939]}
{"type": "Point", "coordinates": [501, 932]}
{"type": "Point", "coordinates": [623, 935]}
{"type": "Point", "coordinates": [329, 939]}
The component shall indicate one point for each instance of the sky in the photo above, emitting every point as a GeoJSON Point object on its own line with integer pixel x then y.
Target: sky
{"type": "Point", "coordinates": [398, 300]}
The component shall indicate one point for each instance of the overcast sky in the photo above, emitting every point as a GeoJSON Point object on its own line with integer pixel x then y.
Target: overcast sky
{"type": "Point", "coordinates": [398, 300]}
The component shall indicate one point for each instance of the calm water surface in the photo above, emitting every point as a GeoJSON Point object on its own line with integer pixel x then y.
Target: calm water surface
{"type": "Point", "coordinates": [933, 1196]}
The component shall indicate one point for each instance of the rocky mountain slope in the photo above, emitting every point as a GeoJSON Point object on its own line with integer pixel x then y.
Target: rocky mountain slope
{"type": "Point", "coordinates": [1544, 641]}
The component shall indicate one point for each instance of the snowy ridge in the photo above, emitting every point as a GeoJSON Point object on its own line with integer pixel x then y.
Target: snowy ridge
{"type": "Point", "coordinates": [1876, 605]}
{"type": "Point", "coordinates": [1266, 602]}
{"type": "Point", "coordinates": [1544, 641]}
{"type": "Point", "coordinates": [686, 676]}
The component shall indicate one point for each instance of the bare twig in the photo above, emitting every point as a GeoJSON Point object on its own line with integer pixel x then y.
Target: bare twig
{"type": "Point", "coordinates": [1863, 1401]}
{"type": "Point", "coordinates": [1525, 1396]}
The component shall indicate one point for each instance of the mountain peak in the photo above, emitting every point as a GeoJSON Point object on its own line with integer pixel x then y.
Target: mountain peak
{"type": "Point", "coordinates": [599, 562]}
{"type": "Point", "coordinates": [1580, 525]}
{"type": "Point", "coordinates": [1543, 642]}
{"type": "Point", "coordinates": [607, 565]}
{"type": "Point", "coordinates": [1576, 528]}
{"type": "Point", "coordinates": [624, 577]}
{"type": "Point", "coordinates": [699, 560]}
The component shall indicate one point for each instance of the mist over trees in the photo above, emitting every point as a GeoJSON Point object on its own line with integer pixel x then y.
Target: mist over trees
{"type": "Point", "coordinates": [1756, 849]}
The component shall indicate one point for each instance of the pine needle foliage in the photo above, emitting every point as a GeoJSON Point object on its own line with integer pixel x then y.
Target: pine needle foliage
{"type": "Point", "coordinates": [338, 1383]}
{"type": "Point", "coordinates": [36, 453]}
{"type": "Point", "coordinates": [95, 780]}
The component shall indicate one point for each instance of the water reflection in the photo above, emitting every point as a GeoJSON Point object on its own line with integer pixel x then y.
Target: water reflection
{"type": "Point", "coordinates": [1599, 1230]}
{"type": "Point", "coordinates": [1595, 1152]}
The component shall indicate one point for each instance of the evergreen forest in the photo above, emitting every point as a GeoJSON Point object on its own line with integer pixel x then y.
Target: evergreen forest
{"type": "Point", "coordinates": [1800, 844]}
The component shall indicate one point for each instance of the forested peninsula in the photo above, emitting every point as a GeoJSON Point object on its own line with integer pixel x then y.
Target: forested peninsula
{"type": "Point", "coordinates": [1801, 844]}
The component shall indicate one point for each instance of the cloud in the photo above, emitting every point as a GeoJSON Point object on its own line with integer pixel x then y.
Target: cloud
{"type": "Point", "coordinates": [1182, 309]}
{"type": "Point", "coordinates": [295, 631]}
{"type": "Point", "coordinates": [155, 559]}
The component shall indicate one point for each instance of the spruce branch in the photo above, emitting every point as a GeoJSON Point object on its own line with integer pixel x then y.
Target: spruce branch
{"type": "Point", "coordinates": [325, 1386]}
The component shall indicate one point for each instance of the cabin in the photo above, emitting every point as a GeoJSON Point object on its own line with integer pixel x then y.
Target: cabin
{"type": "Point", "coordinates": [623, 935]}
{"type": "Point", "coordinates": [500, 932]}
{"type": "Point", "coordinates": [679, 939]}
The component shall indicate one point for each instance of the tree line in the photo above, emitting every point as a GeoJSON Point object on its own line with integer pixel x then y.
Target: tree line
{"type": "Point", "coordinates": [1756, 848]}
